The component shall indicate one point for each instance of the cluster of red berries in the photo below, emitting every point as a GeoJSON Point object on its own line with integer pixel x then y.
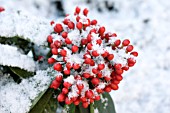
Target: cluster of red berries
{"type": "Point", "coordinates": [88, 60]}
{"type": "Point", "coordinates": [2, 9]}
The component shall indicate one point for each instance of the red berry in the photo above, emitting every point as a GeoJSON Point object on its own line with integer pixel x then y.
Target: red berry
{"type": "Point", "coordinates": [114, 86]}
{"type": "Point", "coordinates": [57, 44]}
{"type": "Point", "coordinates": [86, 75]}
{"type": "Point", "coordinates": [89, 37]}
{"type": "Point", "coordinates": [119, 71]}
{"type": "Point", "coordinates": [51, 60]}
{"type": "Point", "coordinates": [117, 43]}
{"type": "Point", "coordinates": [77, 102]}
{"type": "Point", "coordinates": [58, 28]}
{"type": "Point", "coordinates": [50, 39]}
{"type": "Point", "coordinates": [77, 18]}
{"type": "Point", "coordinates": [107, 78]}
{"type": "Point", "coordinates": [99, 90]}
{"type": "Point", "coordinates": [134, 53]}
{"type": "Point", "coordinates": [66, 85]}
{"type": "Point", "coordinates": [101, 66]}
{"type": "Point", "coordinates": [97, 97]}
{"type": "Point", "coordinates": [105, 54]}
{"type": "Point", "coordinates": [83, 99]}
{"type": "Point", "coordinates": [2, 9]}
{"type": "Point", "coordinates": [52, 22]}
{"type": "Point", "coordinates": [80, 86]}
{"type": "Point", "coordinates": [68, 65]}
{"type": "Point", "coordinates": [125, 68]}
{"type": "Point", "coordinates": [99, 75]}
{"type": "Point", "coordinates": [77, 10]}
{"type": "Point", "coordinates": [79, 25]}
{"type": "Point", "coordinates": [71, 25]}
{"type": "Point", "coordinates": [67, 72]}
{"type": "Point", "coordinates": [68, 41]}
{"type": "Point", "coordinates": [87, 60]}
{"type": "Point", "coordinates": [94, 53]}
{"type": "Point", "coordinates": [59, 78]}
{"type": "Point", "coordinates": [54, 51]}
{"type": "Point", "coordinates": [93, 22]}
{"type": "Point", "coordinates": [61, 97]}
{"type": "Point", "coordinates": [55, 84]}
{"type": "Point", "coordinates": [74, 48]}
{"type": "Point", "coordinates": [101, 30]}
{"type": "Point", "coordinates": [89, 94]}
{"type": "Point", "coordinates": [76, 66]}
{"type": "Point", "coordinates": [129, 48]}
{"type": "Point", "coordinates": [66, 21]}
{"type": "Point", "coordinates": [85, 104]}
{"type": "Point", "coordinates": [125, 42]}
{"type": "Point", "coordinates": [64, 90]}
{"type": "Point", "coordinates": [119, 77]}
{"type": "Point", "coordinates": [114, 35]}
{"type": "Point", "coordinates": [58, 67]}
{"type": "Point", "coordinates": [64, 34]}
{"type": "Point", "coordinates": [52, 45]}
{"type": "Point", "coordinates": [89, 46]}
{"type": "Point", "coordinates": [94, 70]}
{"type": "Point", "coordinates": [118, 66]}
{"type": "Point", "coordinates": [95, 81]}
{"type": "Point", "coordinates": [85, 11]}
{"type": "Point", "coordinates": [92, 63]}
{"type": "Point", "coordinates": [107, 89]}
{"type": "Point", "coordinates": [63, 53]}
{"type": "Point", "coordinates": [83, 41]}
{"type": "Point", "coordinates": [110, 57]}
{"type": "Point", "coordinates": [131, 62]}
{"type": "Point", "coordinates": [68, 101]}
{"type": "Point", "coordinates": [99, 41]}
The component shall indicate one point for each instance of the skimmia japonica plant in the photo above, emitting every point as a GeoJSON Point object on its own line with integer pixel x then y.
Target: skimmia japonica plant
{"type": "Point", "coordinates": [89, 61]}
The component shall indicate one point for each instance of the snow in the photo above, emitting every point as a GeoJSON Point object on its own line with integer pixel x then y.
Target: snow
{"type": "Point", "coordinates": [17, 98]}
{"type": "Point", "coordinates": [18, 23]}
{"type": "Point", "coordinates": [10, 56]}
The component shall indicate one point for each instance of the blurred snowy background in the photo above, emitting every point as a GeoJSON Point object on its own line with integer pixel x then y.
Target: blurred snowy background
{"type": "Point", "coordinates": [145, 88]}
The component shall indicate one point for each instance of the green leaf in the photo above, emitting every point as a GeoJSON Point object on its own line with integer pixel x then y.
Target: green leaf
{"type": "Point", "coordinates": [82, 109]}
{"type": "Point", "coordinates": [42, 103]}
{"type": "Point", "coordinates": [21, 72]}
{"type": "Point", "coordinates": [72, 108]}
{"type": "Point", "coordinates": [110, 105]}
{"type": "Point", "coordinates": [91, 108]}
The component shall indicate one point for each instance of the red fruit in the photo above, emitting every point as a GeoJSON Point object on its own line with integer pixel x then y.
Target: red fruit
{"type": "Point", "coordinates": [114, 86]}
{"type": "Point", "coordinates": [77, 18]}
{"type": "Point", "coordinates": [68, 41]}
{"type": "Point", "coordinates": [107, 78]}
{"type": "Point", "coordinates": [87, 60]}
{"type": "Point", "coordinates": [83, 41]}
{"type": "Point", "coordinates": [50, 39]}
{"type": "Point", "coordinates": [61, 97]}
{"type": "Point", "coordinates": [68, 65]}
{"type": "Point", "coordinates": [117, 43]}
{"type": "Point", "coordinates": [92, 63]}
{"type": "Point", "coordinates": [2, 9]}
{"type": "Point", "coordinates": [80, 86]}
{"type": "Point", "coordinates": [93, 31]}
{"type": "Point", "coordinates": [52, 45]}
{"type": "Point", "coordinates": [59, 78]}
{"type": "Point", "coordinates": [85, 11]}
{"type": "Point", "coordinates": [93, 22]}
{"type": "Point", "coordinates": [51, 60]}
{"type": "Point", "coordinates": [126, 42]}
{"type": "Point", "coordinates": [131, 62]}
{"type": "Point", "coordinates": [99, 75]}
{"type": "Point", "coordinates": [117, 66]}
{"type": "Point", "coordinates": [110, 57]}
{"type": "Point", "coordinates": [97, 97]}
{"type": "Point", "coordinates": [91, 100]}
{"type": "Point", "coordinates": [94, 70]}
{"type": "Point", "coordinates": [74, 48]}
{"type": "Point", "coordinates": [101, 30]}
{"type": "Point", "coordinates": [129, 48]}
{"type": "Point", "coordinates": [99, 41]}
{"type": "Point", "coordinates": [134, 53]}
{"type": "Point", "coordinates": [85, 104]}
{"type": "Point", "coordinates": [99, 90]}
{"type": "Point", "coordinates": [77, 10]}
{"type": "Point", "coordinates": [76, 66]}
{"type": "Point", "coordinates": [66, 85]}
{"type": "Point", "coordinates": [58, 28]}
{"type": "Point", "coordinates": [89, 46]}
{"type": "Point", "coordinates": [119, 71]}
{"type": "Point", "coordinates": [101, 66]}
{"type": "Point", "coordinates": [77, 102]}
{"type": "Point", "coordinates": [89, 37]}
{"type": "Point", "coordinates": [58, 67]}
{"type": "Point", "coordinates": [89, 94]}
{"type": "Point", "coordinates": [67, 72]}
{"type": "Point", "coordinates": [83, 99]}
{"type": "Point", "coordinates": [95, 81]}
{"type": "Point", "coordinates": [86, 75]}
{"type": "Point", "coordinates": [57, 44]}
{"type": "Point", "coordinates": [94, 53]}
{"type": "Point", "coordinates": [115, 82]}
{"type": "Point", "coordinates": [125, 68]}
{"type": "Point", "coordinates": [54, 51]}
{"type": "Point", "coordinates": [64, 90]}
{"type": "Point", "coordinates": [52, 22]}
{"type": "Point", "coordinates": [71, 25]}
{"type": "Point", "coordinates": [119, 77]}
{"type": "Point", "coordinates": [79, 25]}
{"type": "Point", "coordinates": [107, 89]}
{"type": "Point", "coordinates": [68, 101]}
{"type": "Point", "coordinates": [105, 54]}
{"type": "Point", "coordinates": [114, 35]}
{"type": "Point", "coordinates": [63, 53]}
{"type": "Point", "coordinates": [64, 34]}
{"type": "Point", "coordinates": [66, 21]}
{"type": "Point", "coordinates": [55, 84]}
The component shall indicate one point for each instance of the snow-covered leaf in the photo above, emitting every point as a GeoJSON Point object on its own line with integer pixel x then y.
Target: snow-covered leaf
{"type": "Point", "coordinates": [107, 106]}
